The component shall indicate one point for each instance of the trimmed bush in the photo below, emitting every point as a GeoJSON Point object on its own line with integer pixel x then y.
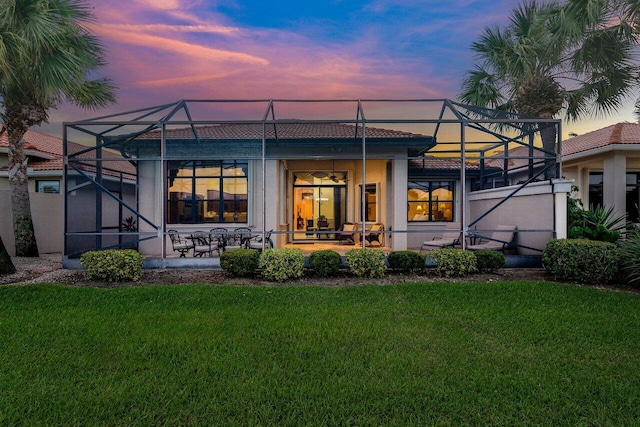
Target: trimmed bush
{"type": "Point", "coordinates": [406, 261]}
{"type": "Point", "coordinates": [488, 260]}
{"type": "Point", "coordinates": [240, 262]}
{"type": "Point", "coordinates": [581, 260]}
{"type": "Point", "coordinates": [281, 264]}
{"type": "Point", "coordinates": [365, 262]}
{"type": "Point", "coordinates": [325, 262]}
{"type": "Point", "coordinates": [113, 265]}
{"type": "Point", "coordinates": [454, 262]}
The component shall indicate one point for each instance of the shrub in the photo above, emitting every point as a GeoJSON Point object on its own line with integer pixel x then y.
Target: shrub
{"type": "Point", "coordinates": [597, 223]}
{"type": "Point", "coordinates": [281, 264]}
{"type": "Point", "coordinates": [406, 261]}
{"type": "Point", "coordinates": [454, 262]}
{"type": "Point", "coordinates": [239, 262]}
{"type": "Point", "coordinates": [113, 265]}
{"type": "Point", "coordinates": [581, 260]}
{"type": "Point", "coordinates": [365, 262]}
{"type": "Point", "coordinates": [488, 260]}
{"type": "Point", "coordinates": [325, 262]}
{"type": "Point", "coordinates": [630, 257]}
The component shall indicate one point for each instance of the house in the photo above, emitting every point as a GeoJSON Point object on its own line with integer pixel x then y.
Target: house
{"type": "Point", "coordinates": [203, 164]}
{"type": "Point", "coordinates": [605, 166]}
{"type": "Point", "coordinates": [44, 153]}
{"type": "Point", "coordinates": [46, 184]}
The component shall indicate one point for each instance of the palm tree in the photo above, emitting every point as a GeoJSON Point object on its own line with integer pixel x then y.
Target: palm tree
{"type": "Point", "coordinates": [46, 56]}
{"type": "Point", "coordinates": [6, 266]}
{"type": "Point", "coordinates": [549, 59]}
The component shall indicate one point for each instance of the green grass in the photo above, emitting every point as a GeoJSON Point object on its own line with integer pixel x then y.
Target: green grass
{"type": "Point", "coordinates": [526, 353]}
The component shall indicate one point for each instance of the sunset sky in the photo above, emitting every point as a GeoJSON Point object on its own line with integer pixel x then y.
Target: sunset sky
{"type": "Point", "coordinates": [161, 51]}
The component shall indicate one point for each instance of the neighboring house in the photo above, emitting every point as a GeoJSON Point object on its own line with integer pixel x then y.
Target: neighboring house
{"type": "Point", "coordinates": [46, 183]}
{"type": "Point", "coordinates": [303, 179]}
{"type": "Point", "coordinates": [44, 153]}
{"type": "Point", "coordinates": [605, 165]}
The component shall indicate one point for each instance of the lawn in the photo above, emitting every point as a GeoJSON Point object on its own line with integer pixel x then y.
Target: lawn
{"type": "Point", "coordinates": [523, 352]}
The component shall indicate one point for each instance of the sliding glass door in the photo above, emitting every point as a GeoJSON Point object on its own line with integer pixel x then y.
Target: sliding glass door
{"type": "Point", "coordinates": [319, 204]}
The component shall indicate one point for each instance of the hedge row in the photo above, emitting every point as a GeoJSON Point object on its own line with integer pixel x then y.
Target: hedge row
{"type": "Point", "coordinates": [282, 264]}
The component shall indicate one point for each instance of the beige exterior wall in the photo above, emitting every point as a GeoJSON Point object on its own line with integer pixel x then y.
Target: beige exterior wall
{"type": "Point", "coordinates": [614, 164]}
{"type": "Point", "coordinates": [47, 211]}
{"type": "Point", "coordinates": [532, 208]}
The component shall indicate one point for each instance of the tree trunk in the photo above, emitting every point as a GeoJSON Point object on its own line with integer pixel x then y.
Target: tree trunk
{"type": "Point", "coordinates": [25, 237]}
{"type": "Point", "coordinates": [6, 266]}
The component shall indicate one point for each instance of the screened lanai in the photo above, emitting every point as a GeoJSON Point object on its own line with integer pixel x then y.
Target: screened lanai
{"type": "Point", "coordinates": [301, 171]}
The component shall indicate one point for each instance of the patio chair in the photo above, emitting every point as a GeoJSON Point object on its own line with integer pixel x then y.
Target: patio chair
{"type": "Point", "coordinates": [500, 239]}
{"type": "Point", "coordinates": [310, 228]}
{"type": "Point", "coordinates": [217, 235]}
{"type": "Point", "coordinates": [323, 228]}
{"type": "Point", "coordinates": [346, 232]}
{"type": "Point", "coordinates": [256, 241]}
{"type": "Point", "coordinates": [203, 244]}
{"type": "Point", "coordinates": [450, 238]}
{"type": "Point", "coordinates": [375, 234]}
{"type": "Point", "coordinates": [180, 244]}
{"type": "Point", "coordinates": [238, 238]}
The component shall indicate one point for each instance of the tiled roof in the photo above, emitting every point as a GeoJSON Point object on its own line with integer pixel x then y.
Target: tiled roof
{"type": "Point", "coordinates": [37, 141]}
{"type": "Point", "coordinates": [52, 146]}
{"type": "Point", "coordinates": [521, 159]}
{"type": "Point", "coordinates": [441, 164]}
{"type": "Point", "coordinates": [619, 133]}
{"type": "Point", "coordinates": [283, 131]}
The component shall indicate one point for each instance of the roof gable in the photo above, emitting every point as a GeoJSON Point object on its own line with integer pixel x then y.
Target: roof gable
{"type": "Point", "coordinates": [619, 133]}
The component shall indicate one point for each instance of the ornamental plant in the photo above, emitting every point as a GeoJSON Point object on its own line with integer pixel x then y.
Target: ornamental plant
{"type": "Point", "coordinates": [454, 262]}
{"type": "Point", "coordinates": [113, 265]}
{"type": "Point", "coordinates": [240, 262]}
{"type": "Point", "coordinates": [280, 264]}
{"type": "Point", "coordinates": [406, 261]}
{"type": "Point", "coordinates": [581, 260]}
{"type": "Point", "coordinates": [488, 260]}
{"type": "Point", "coordinates": [325, 262]}
{"type": "Point", "coordinates": [366, 262]}
{"type": "Point", "coordinates": [630, 257]}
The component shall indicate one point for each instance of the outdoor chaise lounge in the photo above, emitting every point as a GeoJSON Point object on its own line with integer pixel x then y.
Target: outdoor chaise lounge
{"type": "Point", "coordinates": [499, 240]}
{"type": "Point", "coordinates": [450, 238]}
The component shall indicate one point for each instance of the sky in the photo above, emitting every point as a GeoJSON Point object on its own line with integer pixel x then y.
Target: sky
{"type": "Point", "coordinates": [161, 51]}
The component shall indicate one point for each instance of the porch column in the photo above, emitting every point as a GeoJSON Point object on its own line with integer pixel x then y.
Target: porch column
{"type": "Point", "coordinates": [271, 197]}
{"type": "Point", "coordinates": [399, 209]}
{"type": "Point", "coordinates": [561, 188]}
{"type": "Point", "coordinates": [614, 178]}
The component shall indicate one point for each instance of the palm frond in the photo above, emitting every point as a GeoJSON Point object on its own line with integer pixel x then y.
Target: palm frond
{"type": "Point", "coordinates": [481, 88]}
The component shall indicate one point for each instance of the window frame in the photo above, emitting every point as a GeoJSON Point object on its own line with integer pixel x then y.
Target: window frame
{"type": "Point", "coordinates": [595, 188]}
{"type": "Point", "coordinates": [430, 207]}
{"type": "Point", "coordinates": [208, 210]}
{"type": "Point", "coordinates": [42, 181]}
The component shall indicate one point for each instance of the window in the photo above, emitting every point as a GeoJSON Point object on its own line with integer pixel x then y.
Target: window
{"type": "Point", "coordinates": [430, 201]}
{"type": "Point", "coordinates": [633, 196]}
{"type": "Point", "coordinates": [595, 188]}
{"type": "Point", "coordinates": [370, 202]}
{"type": "Point", "coordinates": [48, 187]}
{"type": "Point", "coordinates": [207, 191]}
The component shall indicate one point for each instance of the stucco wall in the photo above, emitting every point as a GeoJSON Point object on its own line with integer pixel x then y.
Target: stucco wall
{"type": "Point", "coordinates": [46, 210]}
{"type": "Point", "coordinates": [531, 210]}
